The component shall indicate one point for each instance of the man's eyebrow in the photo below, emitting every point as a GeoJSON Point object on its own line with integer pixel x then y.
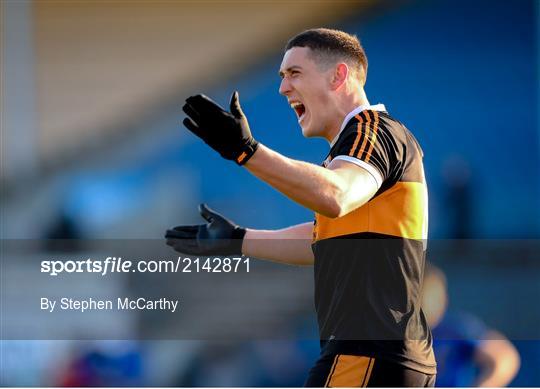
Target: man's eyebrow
{"type": "Point", "coordinates": [282, 72]}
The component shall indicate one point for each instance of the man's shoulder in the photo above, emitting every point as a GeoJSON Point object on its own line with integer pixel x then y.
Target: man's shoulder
{"type": "Point", "coordinates": [371, 123]}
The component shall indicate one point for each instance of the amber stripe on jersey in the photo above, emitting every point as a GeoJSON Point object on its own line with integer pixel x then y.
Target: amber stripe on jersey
{"type": "Point", "coordinates": [367, 135]}
{"type": "Point", "coordinates": [373, 136]}
{"type": "Point", "coordinates": [360, 133]}
{"type": "Point", "coordinates": [398, 211]}
{"type": "Point", "coordinates": [368, 374]}
{"type": "Point", "coordinates": [350, 371]}
{"type": "Point", "coordinates": [336, 358]}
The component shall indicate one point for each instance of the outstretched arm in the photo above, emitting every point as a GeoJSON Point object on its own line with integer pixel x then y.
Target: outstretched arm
{"type": "Point", "coordinates": [290, 245]}
{"type": "Point", "coordinates": [221, 236]}
{"type": "Point", "coordinates": [332, 192]}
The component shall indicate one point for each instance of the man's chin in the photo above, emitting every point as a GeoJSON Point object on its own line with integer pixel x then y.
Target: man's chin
{"type": "Point", "coordinates": [309, 132]}
{"type": "Point", "coordinates": [306, 132]}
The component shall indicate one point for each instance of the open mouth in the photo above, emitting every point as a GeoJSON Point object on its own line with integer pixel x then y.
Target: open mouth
{"type": "Point", "coordinates": [299, 109]}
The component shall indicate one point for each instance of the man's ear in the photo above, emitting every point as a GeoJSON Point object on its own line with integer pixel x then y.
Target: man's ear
{"type": "Point", "coordinates": [341, 72]}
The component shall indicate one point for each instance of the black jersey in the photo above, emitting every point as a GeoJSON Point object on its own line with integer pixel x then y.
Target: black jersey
{"type": "Point", "coordinates": [369, 263]}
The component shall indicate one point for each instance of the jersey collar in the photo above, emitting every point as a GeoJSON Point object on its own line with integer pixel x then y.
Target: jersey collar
{"type": "Point", "coordinates": [356, 111]}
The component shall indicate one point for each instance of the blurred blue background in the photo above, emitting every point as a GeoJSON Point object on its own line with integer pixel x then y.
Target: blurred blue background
{"type": "Point", "coordinates": [462, 76]}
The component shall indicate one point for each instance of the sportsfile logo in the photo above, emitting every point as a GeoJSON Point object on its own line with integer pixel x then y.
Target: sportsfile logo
{"type": "Point", "coordinates": [109, 265]}
{"type": "Point", "coordinates": [118, 265]}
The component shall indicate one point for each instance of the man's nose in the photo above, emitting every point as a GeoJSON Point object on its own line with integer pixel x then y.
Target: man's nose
{"type": "Point", "coordinates": [285, 87]}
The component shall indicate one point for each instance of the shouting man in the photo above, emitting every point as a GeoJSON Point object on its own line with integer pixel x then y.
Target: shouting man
{"type": "Point", "coordinates": [367, 242]}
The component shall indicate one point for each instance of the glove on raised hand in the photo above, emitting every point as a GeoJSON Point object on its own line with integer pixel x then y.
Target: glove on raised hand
{"type": "Point", "coordinates": [219, 236]}
{"type": "Point", "coordinates": [226, 132]}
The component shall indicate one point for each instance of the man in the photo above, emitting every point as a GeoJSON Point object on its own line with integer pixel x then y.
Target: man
{"type": "Point", "coordinates": [370, 204]}
{"type": "Point", "coordinates": [468, 352]}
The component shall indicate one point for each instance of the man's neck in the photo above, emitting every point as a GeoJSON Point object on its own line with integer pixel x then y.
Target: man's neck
{"type": "Point", "coordinates": [344, 106]}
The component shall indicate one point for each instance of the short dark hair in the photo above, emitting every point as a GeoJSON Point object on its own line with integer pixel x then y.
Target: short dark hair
{"type": "Point", "coordinates": [329, 46]}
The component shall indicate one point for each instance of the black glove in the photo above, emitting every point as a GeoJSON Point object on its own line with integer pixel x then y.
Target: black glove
{"type": "Point", "coordinates": [219, 236]}
{"type": "Point", "coordinates": [226, 132]}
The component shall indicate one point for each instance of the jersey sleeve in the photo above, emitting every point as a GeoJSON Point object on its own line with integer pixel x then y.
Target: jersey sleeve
{"type": "Point", "coordinates": [368, 145]}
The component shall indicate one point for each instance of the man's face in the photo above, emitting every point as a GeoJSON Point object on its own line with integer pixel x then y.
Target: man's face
{"type": "Point", "coordinates": [307, 89]}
